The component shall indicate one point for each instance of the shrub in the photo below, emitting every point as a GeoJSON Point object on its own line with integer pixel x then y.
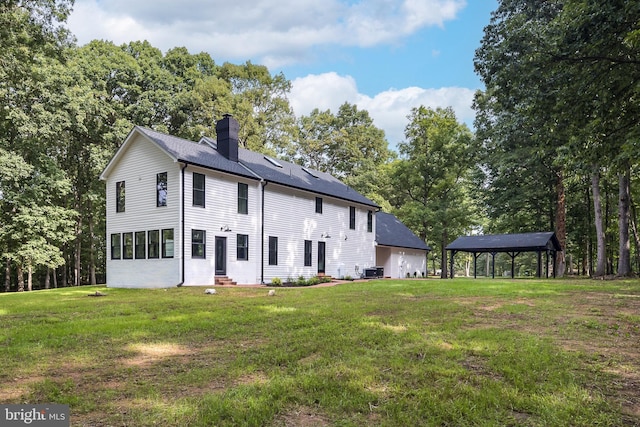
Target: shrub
{"type": "Point", "coordinates": [301, 281]}
{"type": "Point", "coordinates": [347, 277]}
{"type": "Point", "coordinates": [276, 281]}
{"type": "Point", "coordinates": [313, 281]}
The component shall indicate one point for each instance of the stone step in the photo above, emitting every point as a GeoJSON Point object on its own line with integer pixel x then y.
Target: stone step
{"type": "Point", "coordinates": [224, 280]}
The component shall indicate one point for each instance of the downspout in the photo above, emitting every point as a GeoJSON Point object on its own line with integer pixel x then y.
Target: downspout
{"type": "Point", "coordinates": [264, 184]}
{"type": "Point", "coordinates": [182, 226]}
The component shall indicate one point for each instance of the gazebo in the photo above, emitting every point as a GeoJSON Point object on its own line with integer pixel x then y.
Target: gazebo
{"type": "Point", "coordinates": [511, 244]}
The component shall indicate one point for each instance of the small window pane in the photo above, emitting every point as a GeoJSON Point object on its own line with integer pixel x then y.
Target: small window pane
{"type": "Point", "coordinates": [273, 250]}
{"type": "Point", "coordinates": [198, 244]}
{"type": "Point", "coordinates": [161, 186]}
{"type": "Point", "coordinates": [141, 244]}
{"type": "Point", "coordinates": [307, 253]}
{"type": "Point", "coordinates": [370, 221]}
{"type": "Point", "coordinates": [120, 196]}
{"type": "Point", "coordinates": [242, 247]}
{"type": "Point", "coordinates": [319, 205]}
{"type": "Point", "coordinates": [167, 243]}
{"type": "Point", "coordinates": [198, 189]}
{"type": "Point", "coordinates": [116, 248]}
{"type": "Point", "coordinates": [243, 198]}
{"type": "Point", "coordinates": [154, 244]}
{"type": "Point", "coordinates": [127, 245]}
{"type": "Point", "coordinates": [352, 217]}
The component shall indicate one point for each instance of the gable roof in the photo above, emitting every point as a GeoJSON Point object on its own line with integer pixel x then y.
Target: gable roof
{"type": "Point", "coordinates": [250, 165]}
{"type": "Point", "coordinates": [391, 232]}
{"type": "Point", "coordinates": [522, 242]}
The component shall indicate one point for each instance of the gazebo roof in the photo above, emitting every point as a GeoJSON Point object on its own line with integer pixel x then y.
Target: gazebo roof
{"type": "Point", "coordinates": [522, 242]}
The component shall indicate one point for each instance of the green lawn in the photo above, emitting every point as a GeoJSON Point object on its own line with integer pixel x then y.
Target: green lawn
{"type": "Point", "coordinates": [397, 353]}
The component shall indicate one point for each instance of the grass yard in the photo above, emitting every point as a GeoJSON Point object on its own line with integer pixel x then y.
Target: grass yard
{"type": "Point", "coordinates": [459, 352]}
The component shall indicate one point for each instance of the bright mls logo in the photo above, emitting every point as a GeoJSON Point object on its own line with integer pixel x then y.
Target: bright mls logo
{"type": "Point", "coordinates": [34, 415]}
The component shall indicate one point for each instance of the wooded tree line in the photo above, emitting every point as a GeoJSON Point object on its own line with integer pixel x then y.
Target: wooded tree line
{"type": "Point", "coordinates": [559, 123]}
{"type": "Point", "coordinates": [556, 129]}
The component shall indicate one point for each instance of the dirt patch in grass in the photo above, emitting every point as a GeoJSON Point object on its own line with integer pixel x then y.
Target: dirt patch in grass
{"type": "Point", "coordinates": [602, 326]}
{"type": "Point", "coordinates": [302, 416]}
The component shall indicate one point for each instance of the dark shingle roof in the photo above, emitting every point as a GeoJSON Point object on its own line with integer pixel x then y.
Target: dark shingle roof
{"type": "Point", "coordinates": [391, 232]}
{"type": "Point", "coordinates": [255, 165]}
{"type": "Point", "coordinates": [196, 154]}
{"type": "Point", "coordinates": [295, 176]}
{"type": "Point", "coordinates": [506, 243]}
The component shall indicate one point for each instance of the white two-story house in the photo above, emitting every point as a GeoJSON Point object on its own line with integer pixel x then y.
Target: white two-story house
{"type": "Point", "coordinates": [187, 213]}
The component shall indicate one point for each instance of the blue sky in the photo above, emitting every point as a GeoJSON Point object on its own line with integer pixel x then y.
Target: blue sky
{"type": "Point", "coordinates": [385, 56]}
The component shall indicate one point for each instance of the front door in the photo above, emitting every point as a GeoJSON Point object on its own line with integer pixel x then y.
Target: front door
{"type": "Point", "coordinates": [221, 256]}
{"type": "Point", "coordinates": [321, 249]}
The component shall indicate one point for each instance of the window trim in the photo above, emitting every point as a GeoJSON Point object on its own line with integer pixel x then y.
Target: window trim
{"type": "Point", "coordinates": [273, 250]}
{"type": "Point", "coordinates": [319, 203]}
{"type": "Point", "coordinates": [245, 239]}
{"type": "Point", "coordinates": [125, 254]}
{"type": "Point", "coordinates": [153, 247]}
{"type": "Point", "coordinates": [369, 221]}
{"type": "Point", "coordinates": [199, 191]}
{"type": "Point", "coordinates": [140, 248]}
{"type": "Point", "coordinates": [120, 196]}
{"type": "Point", "coordinates": [308, 253]}
{"type": "Point", "coordinates": [160, 201]}
{"type": "Point", "coordinates": [165, 243]}
{"type": "Point", "coordinates": [118, 247]}
{"type": "Point", "coordinates": [195, 244]}
{"type": "Point", "coordinates": [243, 199]}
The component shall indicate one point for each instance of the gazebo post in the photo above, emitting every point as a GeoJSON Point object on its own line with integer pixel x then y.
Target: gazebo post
{"type": "Point", "coordinates": [493, 265]}
{"type": "Point", "coordinates": [546, 263]}
{"type": "Point", "coordinates": [474, 264]}
{"type": "Point", "coordinates": [453, 254]}
{"type": "Point", "coordinates": [539, 272]}
{"type": "Point", "coordinates": [513, 260]}
{"type": "Point", "coordinates": [553, 254]}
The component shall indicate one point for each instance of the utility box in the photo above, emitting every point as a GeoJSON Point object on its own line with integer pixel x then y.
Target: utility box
{"type": "Point", "coordinates": [370, 273]}
{"type": "Point", "coordinates": [380, 272]}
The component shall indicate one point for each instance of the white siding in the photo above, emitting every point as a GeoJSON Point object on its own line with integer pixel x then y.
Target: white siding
{"type": "Point", "coordinates": [138, 167]}
{"type": "Point", "coordinates": [397, 262]}
{"type": "Point", "coordinates": [221, 212]}
{"type": "Point", "coordinates": [290, 216]}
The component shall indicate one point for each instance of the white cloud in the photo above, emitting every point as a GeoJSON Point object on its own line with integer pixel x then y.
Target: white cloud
{"type": "Point", "coordinates": [388, 109]}
{"type": "Point", "coordinates": [271, 33]}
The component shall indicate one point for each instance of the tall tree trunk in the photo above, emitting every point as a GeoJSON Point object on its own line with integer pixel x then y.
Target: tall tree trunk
{"type": "Point", "coordinates": [601, 257]}
{"type": "Point", "coordinates": [634, 226]}
{"type": "Point", "coordinates": [624, 256]}
{"type": "Point", "coordinates": [55, 278]}
{"type": "Point", "coordinates": [561, 224]}
{"type": "Point", "coordinates": [29, 278]}
{"type": "Point", "coordinates": [47, 279]}
{"type": "Point", "coordinates": [20, 277]}
{"type": "Point", "coordinates": [7, 275]}
{"type": "Point", "coordinates": [92, 250]}
{"type": "Point", "coordinates": [65, 277]}
{"type": "Point", "coordinates": [444, 265]}
{"type": "Point", "coordinates": [77, 252]}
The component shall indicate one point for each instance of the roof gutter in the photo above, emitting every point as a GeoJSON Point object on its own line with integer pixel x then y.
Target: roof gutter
{"type": "Point", "coordinates": [264, 184]}
{"type": "Point", "coordinates": [182, 227]}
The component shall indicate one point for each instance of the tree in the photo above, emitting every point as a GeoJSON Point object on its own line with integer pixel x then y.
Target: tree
{"type": "Point", "coordinates": [347, 145]}
{"type": "Point", "coordinates": [430, 180]}
{"type": "Point", "coordinates": [565, 70]}
{"type": "Point", "coordinates": [32, 41]}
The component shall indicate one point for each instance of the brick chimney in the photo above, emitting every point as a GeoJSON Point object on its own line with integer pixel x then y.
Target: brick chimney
{"type": "Point", "coordinates": [227, 132]}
